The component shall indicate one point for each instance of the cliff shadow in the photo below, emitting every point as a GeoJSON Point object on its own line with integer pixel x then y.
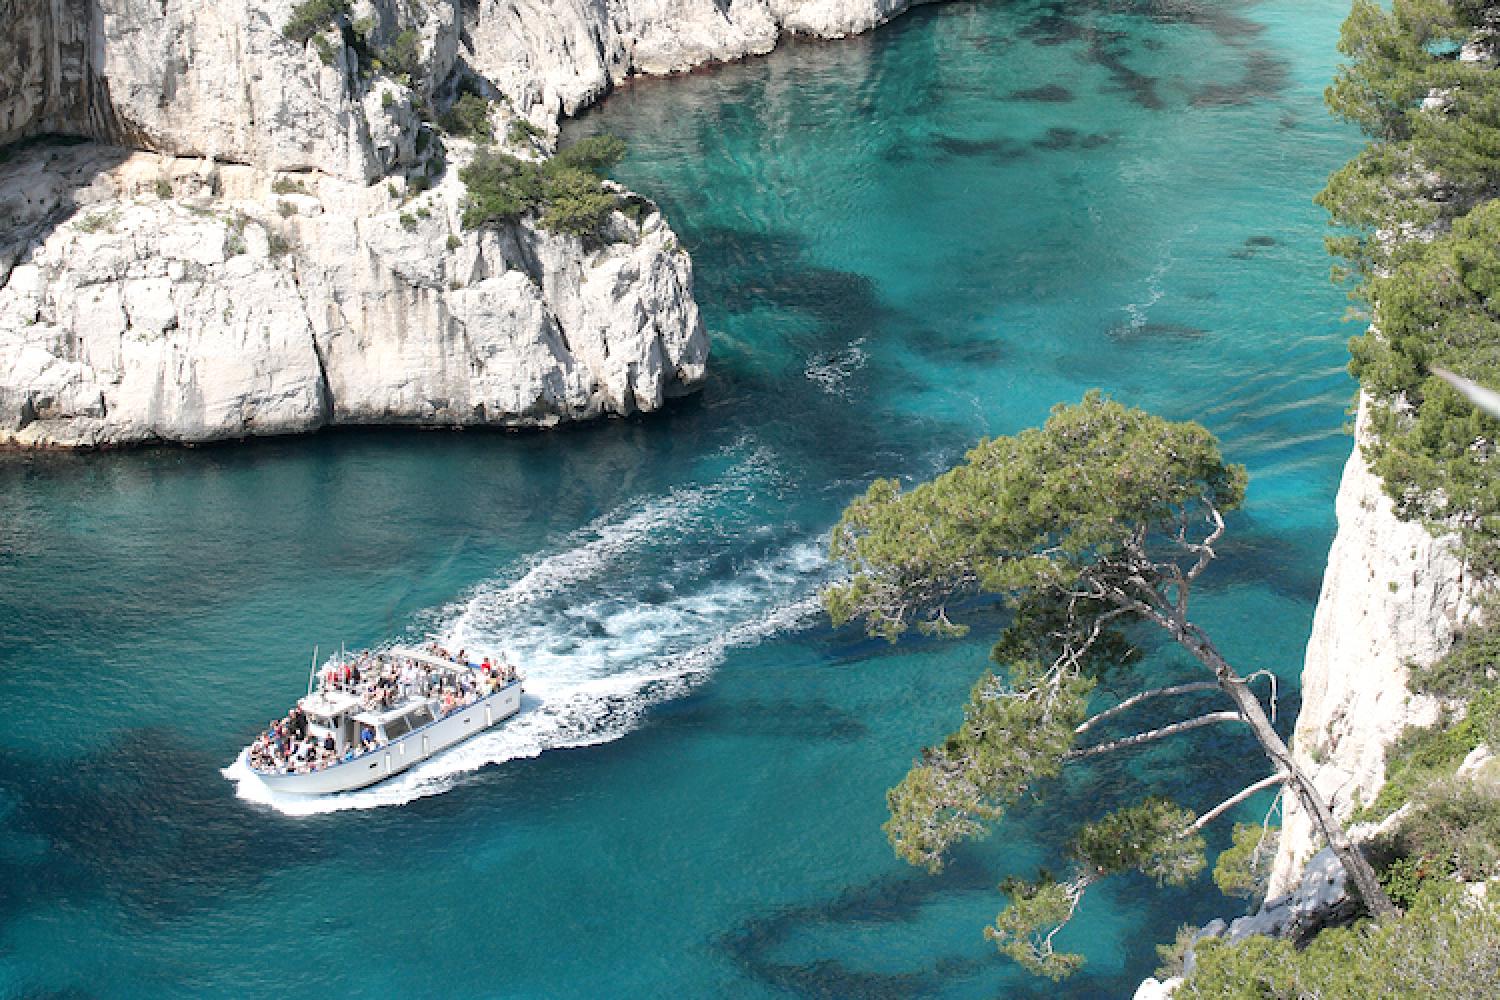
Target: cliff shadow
{"type": "Point", "coordinates": [44, 181]}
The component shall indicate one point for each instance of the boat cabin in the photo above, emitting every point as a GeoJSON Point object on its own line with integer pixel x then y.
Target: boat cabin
{"type": "Point", "coordinates": [332, 712]}
{"type": "Point", "coordinates": [394, 723]}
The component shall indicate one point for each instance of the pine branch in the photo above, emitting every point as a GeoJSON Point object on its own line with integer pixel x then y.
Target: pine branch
{"type": "Point", "coordinates": [1136, 699]}
{"type": "Point", "coordinates": [1153, 735]}
{"type": "Point", "coordinates": [1236, 799]}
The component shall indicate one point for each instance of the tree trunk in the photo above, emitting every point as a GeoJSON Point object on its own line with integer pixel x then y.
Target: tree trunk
{"type": "Point", "coordinates": [1355, 865]}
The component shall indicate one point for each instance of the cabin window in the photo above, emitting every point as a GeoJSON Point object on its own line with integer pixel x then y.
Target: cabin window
{"type": "Point", "coordinates": [396, 728]}
{"type": "Point", "coordinates": [420, 717]}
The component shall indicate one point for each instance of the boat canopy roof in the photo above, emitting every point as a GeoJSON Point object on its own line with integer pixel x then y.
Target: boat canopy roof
{"type": "Point", "coordinates": [427, 658]}
{"type": "Point", "coordinates": [330, 703]}
{"type": "Point", "coordinates": [381, 718]}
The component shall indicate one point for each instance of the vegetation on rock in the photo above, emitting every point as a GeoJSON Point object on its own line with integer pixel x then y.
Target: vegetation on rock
{"type": "Point", "coordinates": [1424, 248]}
{"type": "Point", "coordinates": [566, 192]}
{"type": "Point", "coordinates": [469, 117]}
{"type": "Point", "coordinates": [314, 17]}
{"type": "Point", "coordinates": [1445, 946]}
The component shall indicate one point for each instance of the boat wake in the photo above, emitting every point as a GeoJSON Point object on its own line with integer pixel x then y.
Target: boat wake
{"type": "Point", "coordinates": [630, 611]}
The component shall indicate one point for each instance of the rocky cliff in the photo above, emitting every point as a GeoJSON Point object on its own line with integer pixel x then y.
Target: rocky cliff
{"type": "Point", "coordinates": [247, 247]}
{"type": "Point", "coordinates": [1391, 596]}
{"type": "Point", "coordinates": [186, 300]}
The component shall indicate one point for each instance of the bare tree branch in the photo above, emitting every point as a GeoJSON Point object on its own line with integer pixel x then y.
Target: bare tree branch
{"type": "Point", "coordinates": [1136, 699]}
{"type": "Point", "coordinates": [1153, 735]}
{"type": "Point", "coordinates": [1236, 799]}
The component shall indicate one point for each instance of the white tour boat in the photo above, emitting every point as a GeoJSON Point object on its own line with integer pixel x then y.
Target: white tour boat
{"type": "Point", "coordinates": [406, 706]}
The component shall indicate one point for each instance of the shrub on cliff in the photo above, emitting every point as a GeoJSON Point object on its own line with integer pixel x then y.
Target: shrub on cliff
{"type": "Point", "coordinates": [502, 188]}
{"type": "Point", "coordinates": [1445, 946]}
{"type": "Point", "coordinates": [469, 117]}
{"type": "Point", "coordinates": [565, 192]}
{"type": "Point", "coordinates": [313, 17]}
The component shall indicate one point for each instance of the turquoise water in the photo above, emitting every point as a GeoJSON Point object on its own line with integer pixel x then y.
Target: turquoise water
{"type": "Point", "coordinates": [904, 242]}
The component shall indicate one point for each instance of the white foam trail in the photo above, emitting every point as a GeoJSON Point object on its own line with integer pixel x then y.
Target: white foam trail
{"type": "Point", "coordinates": [555, 714]}
{"type": "Point", "coordinates": [596, 655]}
{"type": "Point", "coordinates": [832, 371]}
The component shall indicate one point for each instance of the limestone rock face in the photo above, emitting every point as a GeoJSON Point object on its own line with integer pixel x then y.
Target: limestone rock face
{"type": "Point", "coordinates": [560, 55]}
{"type": "Point", "coordinates": [217, 80]}
{"type": "Point", "coordinates": [193, 290]}
{"type": "Point", "coordinates": [1391, 595]}
{"type": "Point", "coordinates": [227, 309]}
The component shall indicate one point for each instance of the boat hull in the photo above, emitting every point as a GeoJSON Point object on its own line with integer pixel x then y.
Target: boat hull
{"type": "Point", "coordinates": [403, 753]}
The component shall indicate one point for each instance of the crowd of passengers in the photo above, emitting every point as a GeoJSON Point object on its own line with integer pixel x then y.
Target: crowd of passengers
{"type": "Point", "coordinates": [287, 746]}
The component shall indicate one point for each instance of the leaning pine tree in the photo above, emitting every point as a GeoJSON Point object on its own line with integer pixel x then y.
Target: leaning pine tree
{"type": "Point", "coordinates": [1104, 517]}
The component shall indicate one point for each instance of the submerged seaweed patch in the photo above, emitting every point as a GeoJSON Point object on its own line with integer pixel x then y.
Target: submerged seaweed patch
{"type": "Point", "coordinates": [1058, 139]}
{"type": "Point", "coordinates": [999, 148]}
{"type": "Point", "coordinates": [754, 943]}
{"type": "Point", "coordinates": [1265, 77]}
{"type": "Point", "coordinates": [1052, 93]}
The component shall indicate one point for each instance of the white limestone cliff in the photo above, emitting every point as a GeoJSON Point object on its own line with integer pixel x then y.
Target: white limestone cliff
{"type": "Point", "coordinates": [1392, 594]}
{"type": "Point", "coordinates": [178, 297]}
{"type": "Point", "coordinates": [224, 309]}
{"type": "Point", "coordinates": [561, 55]}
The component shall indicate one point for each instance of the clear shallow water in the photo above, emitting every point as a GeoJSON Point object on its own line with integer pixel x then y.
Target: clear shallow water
{"type": "Point", "coordinates": [904, 242]}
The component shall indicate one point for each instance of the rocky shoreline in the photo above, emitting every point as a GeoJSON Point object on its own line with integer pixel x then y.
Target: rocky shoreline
{"type": "Point", "coordinates": [263, 236]}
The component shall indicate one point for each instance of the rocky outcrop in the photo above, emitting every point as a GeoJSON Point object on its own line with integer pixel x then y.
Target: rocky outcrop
{"type": "Point", "coordinates": [560, 55]}
{"type": "Point", "coordinates": [218, 81]}
{"type": "Point", "coordinates": [1319, 899]}
{"type": "Point", "coordinates": [197, 293]}
{"type": "Point", "coordinates": [223, 81]}
{"type": "Point", "coordinates": [185, 300]}
{"type": "Point", "coordinates": [1392, 594]}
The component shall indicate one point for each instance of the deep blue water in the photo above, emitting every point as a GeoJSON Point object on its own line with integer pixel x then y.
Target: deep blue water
{"type": "Point", "coordinates": [903, 242]}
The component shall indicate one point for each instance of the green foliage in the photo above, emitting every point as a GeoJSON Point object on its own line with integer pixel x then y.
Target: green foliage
{"type": "Point", "coordinates": [288, 185]}
{"type": "Point", "coordinates": [574, 201]}
{"type": "Point", "coordinates": [98, 222]}
{"type": "Point", "coordinates": [1439, 305]}
{"type": "Point", "coordinates": [1425, 755]}
{"type": "Point", "coordinates": [521, 132]}
{"type": "Point", "coordinates": [1154, 837]}
{"type": "Point", "coordinates": [1013, 735]}
{"type": "Point", "coordinates": [501, 187]}
{"type": "Point", "coordinates": [1471, 666]}
{"type": "Point", "coordinates": [1404, 879]}
{"type": "Point", "coordinates": [594, 155]}
{"type": "Point", "coordinates": [1244, 868]}
{"type": "Point", "coordinates": [1174, 956]}
{"type": "Point", "coordinates": [1443, 947]}
{"type": "Point", "coordinates": [325, 50]}
{"type": "Point", "coordinates": [1424, 241]}
{"type": "Point", "coordinates": [163, 188]}
{"type": "Point", "coordinates": [1024, 514]}
{"type": "Point", "coordinates": [1083, 525]}
{"type": "Point", "coordinates": [565, 192]}
{"type": "Point", "coordinates": [1453, 828]}
{"type": "Point", "coordinates": [469, 117]}
{"type": "Point", "coordinates": [402, 58]}
{"type": "Point", "coordinates": [314, 17]}
{"type": "Point", "coordinates": [1025, 928]}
